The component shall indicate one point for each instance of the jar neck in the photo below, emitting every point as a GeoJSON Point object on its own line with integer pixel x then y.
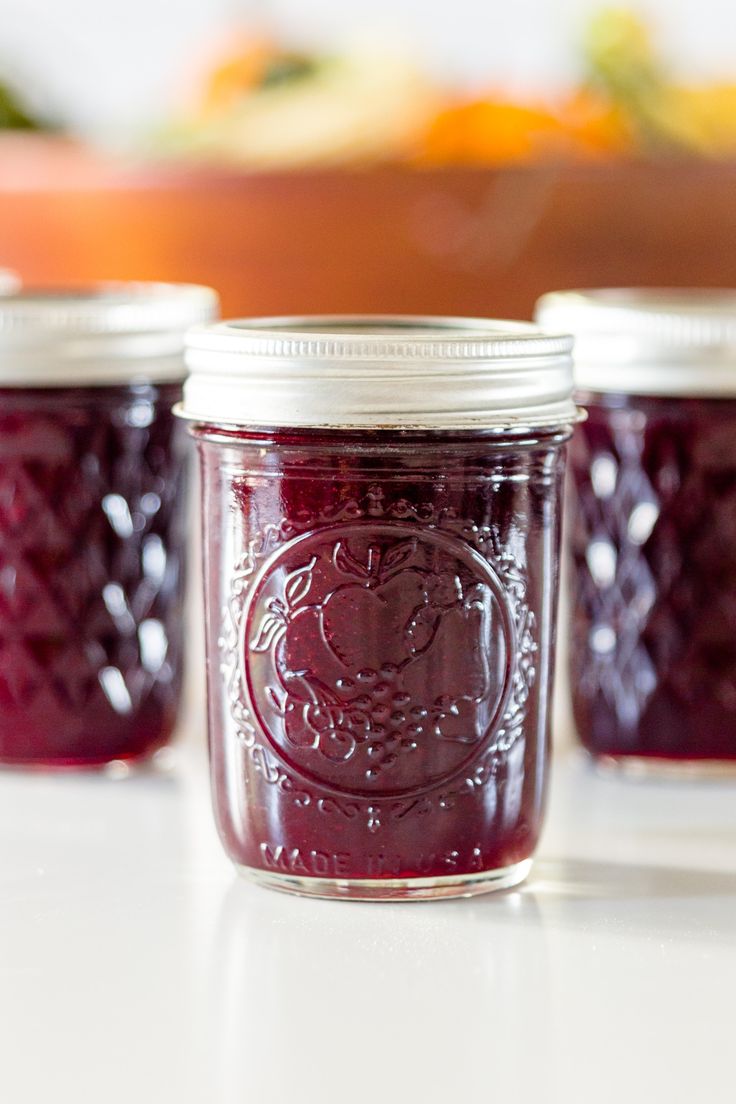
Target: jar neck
{"type": "Point", "coordinates": [384, 440]}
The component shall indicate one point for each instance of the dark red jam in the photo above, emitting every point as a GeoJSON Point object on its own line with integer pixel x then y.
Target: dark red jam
{"type": "Point", "coordinates": [381, 610]}
{"type": "Point", "coordinates": [91, 542]}
{"type": "Point", "coordinates": [653, 534]}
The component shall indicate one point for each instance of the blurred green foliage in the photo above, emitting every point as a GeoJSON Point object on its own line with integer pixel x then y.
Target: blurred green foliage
{"type": "Point", "coordinates": [13, 116]}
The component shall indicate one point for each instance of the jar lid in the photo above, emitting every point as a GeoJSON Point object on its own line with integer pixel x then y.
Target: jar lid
{"type": "Point", "coordinates": [105, 334]}
{"type": "Point", "coordinates": [655, 341]}
{"type": "Point", "coordinates": [379, 372]}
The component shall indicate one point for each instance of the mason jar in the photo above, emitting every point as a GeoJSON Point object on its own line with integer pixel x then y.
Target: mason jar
{"type": "Point", "coordinates": [91, 520]}
{"type": "Point", "coordinates": [380, 518]}
{"type": "Point", "coordinates": [653, 525]}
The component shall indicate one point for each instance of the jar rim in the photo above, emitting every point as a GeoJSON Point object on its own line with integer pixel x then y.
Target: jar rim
{"type": "Point", "coordinates": [378, 337]}
{"type": "Point", "coordinates": [650, 340]}
{"type": "Point", "coordinates": [390, 371]}
{"type": "Point", "coordinates": [104, 333]}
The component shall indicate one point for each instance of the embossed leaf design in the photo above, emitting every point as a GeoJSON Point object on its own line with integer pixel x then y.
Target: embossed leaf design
{"type": "Point", "coordinates": [271, 627]}
{"type": "Point", "coordinates": [276, 701]}
{"type": "Point", "coordinates": [346, 562]}
{"type": "Point", "coordinates": [397, 556]}
{"type": "Point", "coordinates": [298, 583]}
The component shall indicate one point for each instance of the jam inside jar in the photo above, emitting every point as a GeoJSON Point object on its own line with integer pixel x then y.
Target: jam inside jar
{"type": "Point", "coordinates": [91, 544]}
{"type": "Point", "coordinates": [652, 509]}
{"type": "Point", "coordinates": [653, 586]}
{"type": "Point", "coordinates": [91, 521]}
{"type": "Point", "coordinates": [380, 634]}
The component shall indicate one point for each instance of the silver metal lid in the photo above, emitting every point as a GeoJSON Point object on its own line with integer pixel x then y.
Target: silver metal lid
{"type": "Point", "coordinates": [106, 334]}
{"type": "Point", "coordinates": [651, 341]}
{"type": "Point", "coordinates": [370, 371]}
{"type": "Point", "coordinates": [9, 281]}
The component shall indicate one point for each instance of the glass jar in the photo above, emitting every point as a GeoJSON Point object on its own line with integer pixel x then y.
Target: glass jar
{"type": "Point", "coordinates": [380, 523]}
{"type": "Point", "coordinates": [91, 521]}
{"type": "Point", "coordinates": [652, 525]}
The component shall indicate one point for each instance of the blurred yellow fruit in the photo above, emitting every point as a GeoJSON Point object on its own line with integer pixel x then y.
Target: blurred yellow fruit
{"type": "Point", "coordinates": [260, 105]}
{"type": "Point", "coordinates": [496, 131]}
{"type": "Point", "coordinates": [235, 73]}
{"type": "Point", "coordinates": [665, 115]}
{"type": "Point", "coordinates": [490, 131]}
{"type": "Point", "coordinates": [595, 126]}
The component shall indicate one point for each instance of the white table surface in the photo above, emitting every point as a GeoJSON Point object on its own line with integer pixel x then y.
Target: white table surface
{"type": "Point", "coordinates": [134, 966]}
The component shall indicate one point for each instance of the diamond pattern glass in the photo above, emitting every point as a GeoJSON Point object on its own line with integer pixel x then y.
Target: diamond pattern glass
{"type": "Point", "coordinates": [91, 535]}
{"type": "Point", "coordinates": [653, 587]}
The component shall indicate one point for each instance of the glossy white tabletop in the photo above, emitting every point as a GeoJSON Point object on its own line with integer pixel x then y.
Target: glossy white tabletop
{"type": "Point", "coordinates": [134, 966]}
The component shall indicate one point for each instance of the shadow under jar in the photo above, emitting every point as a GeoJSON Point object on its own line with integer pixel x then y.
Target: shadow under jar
{"type": "Point", "coordinates": [380, 520]}
{"type": "Point", "coordinates": [652, 526]}
{"type": "Point", "coordinates": [91, 521]}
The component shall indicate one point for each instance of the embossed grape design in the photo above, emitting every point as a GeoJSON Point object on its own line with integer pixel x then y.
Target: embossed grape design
{"type": "Point", "coordinates": [409, 604]}
{"type": "Point", "coordinates": [381, 715]}
{"type": "Point", "coordinates": [378, 714]}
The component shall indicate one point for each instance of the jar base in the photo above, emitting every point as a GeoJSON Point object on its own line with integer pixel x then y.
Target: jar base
{"type": "Point", "coordinates": [646, 767]}
{"type": "Point", "coordinates": [158, 759]}
{"type": "Point", "coordinates": [392, 889]}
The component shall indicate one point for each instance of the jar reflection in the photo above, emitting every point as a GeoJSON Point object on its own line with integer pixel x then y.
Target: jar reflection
{"type": "Point", "coordinates": [308, 1000]}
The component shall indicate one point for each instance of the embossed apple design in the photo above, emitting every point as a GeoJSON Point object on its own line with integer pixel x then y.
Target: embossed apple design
{"type": "Point", "coordinates": [393, 651]}
{"type": "Point", "coordinates": [389, 612]}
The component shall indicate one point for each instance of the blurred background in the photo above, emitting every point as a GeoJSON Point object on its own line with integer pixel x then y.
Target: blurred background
{"type": "Point", "coordinates": [395, 155]}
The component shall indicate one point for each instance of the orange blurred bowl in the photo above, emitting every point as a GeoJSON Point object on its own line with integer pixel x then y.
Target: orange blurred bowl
{"type": "Point", "coordinates": [459, 240]}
